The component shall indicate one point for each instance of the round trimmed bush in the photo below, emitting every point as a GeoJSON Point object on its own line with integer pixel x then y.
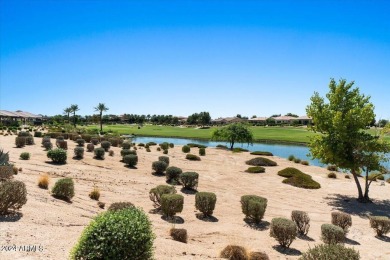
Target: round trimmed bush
{"type": "Point", "coordinates": [171, 145]}
{"type": "Point", "coordinates": [13, 196]}
{"type": "Point", "coordinates": [62, 144]}
{"type": "Point", "coordinates": [297, 160]}
{"type": "Point", "coordinates": [106, 145]}
{"type": "Point", "coordinates": [90, 147]}
{"type": "Point", "coordinates": [171, 204]}
{"type": "Point", "coordinates": [141, 144]}
{"type": "Point", "coordinates": [48, 145]}
{"type": "Point", "coordinates": [253, 207]}
{"type": "Point", "coordinates": [122, 234]}
{"type": "Point", "coordinates": [178, 234]}
{"type": "Point", "coordinates": [79, 152]}
{"type": "Point", "coordinates": [126, 145]}
{"type": "Point", "coordinates": [131, 160]}
{"type": "Point", "coordinates": [342, 220]}
{"type": "Point", "coordinates": [332, 234]}
{"type": "Point", "coordinates": [25, 156]}
{"type": "Point", "coordinates": [164, 146]}
{"type": "Point", "coordinates": [258, 256]}
{"type": "Point", "coordinates": [330, 252]}
{"type": "Point", "coordinates": [156, 193]}
{"type": "Point", "coordinates": [380, 224]}
{"type": "Point", "coordinates": [57, 155]}
{"type": "Point", "coordinates": [164, 159]}
{"type": "Point", "coordinates": [332, 175]}
{"type": "Point", "coordinates": [284, 231]}
{"type": "Point", "coordinates": [20, 141]}
{"type": "Point", "coordinates": [159, 167]}
{"type": "Point", "coordinates": [332, 168]}
{"type": "Point", "coordinates": [165, 151]}
{"type": "Point", "coordinates": [255, 169]}
{"type": "Point", "coordinates": [234, 252]}
{"type": "Point", "coordinates": [205, 202]}
{"type": "Point", "coordinates": [189, 180]}
{"type": "Point", "coordinates": [306, 163]}
{"type": "Point", "coordinates": [63, 189]}
{"type": "Point", "coordinates": [37, 134]}
{"type": "Point", "coordinates": [173, 173]}
{"type": "Point", "coordinates": [99, 153]}
{"type": "Point", "coordinates": [80, 142]}
{"type": "Point", "coordinates": [202, 151]}
{"type": "Point", "coordinates": [289, 172]}
{"type": "Point", "coordinates": [120, 205]}
{"type": "Point", "coordinates": [261, 161]}
{"type": "Point", "coordinates": [302, 220]}
{"type": "Point", "coordinates": [302, 181]}
{"type": "Point", "coordinates": [125, 152]}
{"type": "Point", "coordinates": [192, 157]}
{"type": "Point", "coordinates": [148, 150]}
{"type": "Point", "coordinates": [291, 157]}
{"type": "Point", "coordinates": [186, 149]}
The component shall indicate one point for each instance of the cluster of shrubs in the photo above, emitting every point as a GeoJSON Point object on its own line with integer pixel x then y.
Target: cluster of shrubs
{"type": "Point", "coordinates": [24, 138]}
{"type": "Point", "coordinates": [241, 253]}
{"type": "Point", "coordinates": [261, 161]}
{"type": "Point", "coordinates": [298, 179]}
{"type": "Point", "coordinates": [292, 158]}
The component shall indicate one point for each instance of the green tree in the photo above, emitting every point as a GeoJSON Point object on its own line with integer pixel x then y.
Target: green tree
{"type": "Point", "coordinates": [74, 109]}
{"type": "Point", "coordinates": [67, 111]}
{"type": "Point", "coordinates": [101, 107]}
{"type": "Point", "coordinates": [233, 133]}
{"type": "Point", "coordinates": [342, 139]}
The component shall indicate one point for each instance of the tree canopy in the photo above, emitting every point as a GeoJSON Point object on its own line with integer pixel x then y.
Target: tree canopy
{"type": "Point", "coordinates": [233, 133]}
{"type": "Point", "coordinates": [203, 118]}
{"type": "Point", "coordinates": [342, 139]}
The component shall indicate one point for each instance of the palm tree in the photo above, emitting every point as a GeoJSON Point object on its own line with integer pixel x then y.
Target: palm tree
{"type": "Point", "coordinates": [67, 111]}
{"type": "Point", "coordinates": [101, 107]}
{"type": "Point", "coordinates": [73, 109]}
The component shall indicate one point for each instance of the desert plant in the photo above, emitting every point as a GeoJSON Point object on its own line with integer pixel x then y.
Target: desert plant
{"type": "Point", "coordinates": [13, 196]}
{"type": "Point", "coordinates": [192, 157]}
{"type": "Point", "coordinates": [156, 193]}
{"type": "Point", "coordinates": [332, 168]}
{"type": "Point", "coordinates": [255, 169]}
{"type": "Point", "coordinates": [80, 142]}
{"type": "Point", "coordinates": [171, 145]}
{"type": "Point", "coordinates": [186, 149]}
{"type": "Point", "coordinates": [20, 141]}
{"type": "Point", "coordinates": [106, 145]}
{"type": "Point", "coordinates": [297, 160]}
{"type": "Point", "coordinates": [99, 153]}
{"type": "Point", "coordinates": [332, 234]}
{"type": "Point", "coordinates": [57, 155]}
{"type": "Point", "coordinates": [262, 153]}
{"type": "Point", "coordinates": [148, 150]}
{"type": "Point", "coordinates": [120, 205]}
{"type": "Point", "coordinates": [239, 150]}
{"type": "Point", "coordinates": [380, 224]}
{"type": "Point", "coordinates": [223, 147]}
{"type": "Point", "coordinates": [164, 145]}
{"type": "Point", "coordinates": [158, 149]}
{"type": "Point", "coordinates": [29, 140]}
{"type": "Point", "coordinates": [15, 170]}
{"type": "Point", "coordinates": [347, 176]}
{"type": "Point", "coordinates": [125, 152]}
{"type": "Point", "coordinates": [330, 252]}
{"type": "Point", "coordinates": [48, 145]}
{"type": "Point", "coordinates": [63, 189]}
{"type": "Point", "coordinates": [151, 143]}
{"type": "Point", "coordinates": [332, 175]}
{"type": "Point", "coordinates": [94, 141]}
{"type": "Point", "coordinates": [126, 145]}
{"type": "Point", "coordinates": [291, 157]}
{"type": "Point", "coordinates": [159, 167]}
{"type": "Point", "coordinates": [189, 180]}
{"type": "Point", "coordinates": [302, 220]}
{"type": "Point", "coordinates": [302, 181]}
{"type": "Point", "coordinates": [202, 151]}
{"type": "Point", "coordinates": [123, 234]}
{"type": "Point", "coordinates": [205, 203]}
{"type": "Point", "coordinates": [261, 161]}
{"type": "Point", "coordinates": [283, 230]}
{"type": "Point", "coordinates": [171, 204]}
{"type": "Point", "coordinates": [253, 207]}
{"type": "Point", "coordinates": [164, 159]}
{"type": "Point", "coordinates": [306, 163]}
{"type": "Point", "coordinates": [130, 160]}
{"type": "Point", "coordinates": [173, 173]}
{"type": "Point", "coordinates": [79, 152]}
{"type": "Point", "coordinates": [196, 145]}
{"type": "Point", "coordinates": [43, 181]}
{"type": "Point", "coordinates": [141, 144]}
{"type": "Point", "coordinates": [234, 252]}
{"type": "Point", "coordinates": [111, 153]}
{"type": "Point", "coordinates": [90, 147]}
{"type": "Point", "coordinates": [258, 256]}
{"type": "Point", "coordinates": [25, 156]}
{"type": "Point", "coordinates": [62, 144]}
{"type": "Point", "coordinates": [178, 234]}
{"type": "Point", "coordinates": [37, 134]}
{"type": "Point", "coordinates": [165, 151]}
{"type": "Point", "coordinates": [342, 220]}
{"type": "Point", "coordinates": [95, 194]}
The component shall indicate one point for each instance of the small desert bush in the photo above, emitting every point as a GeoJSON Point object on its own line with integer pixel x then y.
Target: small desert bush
{"type": "Point", "coordinates": [330, 252]}
{"type": "Point", "coordinates": [165, 151]}
{"type": "Point", "coordinates": [148, 150]}
{"type": "Point", "coordinates": [205, 203]}
{"type": "Point", "coordinates": [159, 167]}
{"type": "Point", "coordinates": [388, 180]}
{"type": "Point", "coordinates": [130, 160]}
{"type": "Point", "coordinates": [62, 144]}
{"type": "Point", "coordinates": [151, 143]}
{"type": "Point", "coordinates": [37, 134]}
{"type": "Point", "coordinates": [158, 149]}
{"type": "Point", "coordinates": [95, 194]}
{"type": "Point", "coordinates": [79, 152]}
{"type": "Point", "coordinates": [332, 234]}
{"type": "Point", "coordinates": [258, 256]}
{"type": "Point", "coordinates": [239, 150]}
{"type": "Point", "coordinates": [302, 220]}
{"type": "Point", "coordinates": [122, 234]}
{"type": "Point", "coordinates": [171, 145]}
{"type": "Point", "coordinates": [125, 152]}
{"type": "Point", "coordinates": [63, 189]}
{"type": "Point", "coordinates": [196, 145]}
{"type": "Point", "coordinates": [114, 142]}
{"type": "Point", "coordinates": [43, 181]}
{"type": "Point", "coordinates": [99, 153]}
{"type": "Point", "coordinates": [297, 160]}
{"type": "Point", "coordinates": [306, 163]}
{"type": "Point", "coordinates": [156, 193]}
{"type": "Point", "coordinates": [48, 145]}
{"type": "Point", "coordinates": [141, 144]}
{"type": "Point", "coordinates": [262, 153]}
{"type": "Point", "coordinates": [332, 175]}
{"type": "Point", "coordinates": [255, 169]}
{"type": "Point", "coordinates": [90, 147]}
{"type": "Point", "coordinates": [13, 196]}
{"type": "Point", "coordinates": [223, 147]}
{"type": "Point", "coordinates": [283, 230]}
{"type": "Point", "coordinates": [173, 173]}
{"type": "Point", "coordinates": [298, 179]}
{"type": "Point", "coordinates": [342, 220]}
{"type": "Point", "coordinates": [347, 176]}
{"type": "Point", "coordinates": [332, 168]}
{"type": "Point", "coordinates": [261, 161]}
{"type": "Point", "coordinates": [189, 180]}
{"type": "Point", "coordinates": [120, 205]}
{"type": "Point", "coordinates": [164, 159]}
{"type": "Point", "coordinates": [126, 145]}
{"type": "Point", "coordinates": [80, 142]}
{"type": "Point", "coordinates": [20, 141]}
{"type": "Point", "coordinates": [111, 153]}
{"type": "Point", "coordinates": [291, 158]}
{"type": "Point", "coordinates": [202, 151]}
{"type": "Point", "coordinates": [234, 252]}
{"type": "Point", "coordinates": [380, 224]}
{"type": "Point", "coordinates": [186, 149]}
{"type": "Point", "coordinates": [15, 170]}
{"type": "Point", "coordinates": [164, 145]}
{"type": "Point", "coordinates": [94, 141]}
{"type": "Point", "coordinates": [57, 155]}
{"type": "Point", "coordinates": [178, 234]}
{"type": "Point", "coordinates": [192, 157]}
{"type": "Point", "coordinates": [253, 207]}
{"type": "Point", "coordinates": [106, 145]}
{"type": "Point", "coordinates": [25, 156]}
{"type": "Point", "coordinates": [171, 204]}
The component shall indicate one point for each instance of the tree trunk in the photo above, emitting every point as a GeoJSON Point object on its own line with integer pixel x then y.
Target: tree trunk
{"type": "Point", "coordinates": [366, 198]}
{"type": "Point", "coordinates": [101, 123]}
{"type": "Point", "coordinates": [74, 119]}
{"type": "Point", "coordinates": [359, 187]}
{"type": "Point", "coordinates": [231, 145]}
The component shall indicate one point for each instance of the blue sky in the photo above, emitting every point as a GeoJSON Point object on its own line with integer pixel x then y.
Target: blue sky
{"type": "Point", "coordinates": [180, 57]}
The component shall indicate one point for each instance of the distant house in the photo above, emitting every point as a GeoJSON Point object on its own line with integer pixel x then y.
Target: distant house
{"type": "Point", "coordinates": [258, 120]}
{"type": "Point", "coordinates": [284, 119]}
{"type": "Point", "coordinates": [304, 120]}
{"type": "Point", "coordinates": [182, 119]}
{"type": "Point", "coordinates": [227, 120]}
{"type": "Point", "coordinates": [23, 116]}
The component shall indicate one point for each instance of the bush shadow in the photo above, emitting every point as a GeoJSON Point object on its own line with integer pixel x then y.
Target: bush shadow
{"type": "Point", "coordinates": [155, 211]}
{"type": "Point", "coordinates": [263, 225]}
{"type": "Point", "coordinates": [200, 216]}
{"type": "Point", "coordinates": [173, 220]}
{"type": "Point", "coordinates": [287, 251]}
{"type": "Point", "coordinates": [53, 163]}
{"type": "Point", "coordinates": [158, 174]}
{"type": "Point", "coordinates": [63, 199]}
{"type": "Point", "coordinates": [188, 191]}
{"type": "Point", "coordinates": [383, 238]}
{"type": "Point", "coordinates": [130, 167]}
{"type": "Point", "coordinates": [351, 242]}
{"type": "Point", "coordinates": [77, 158]}
{"type": "Point", "coordinates": [305, 237]}
{"type": "Point", "coordinates": [11, 217]}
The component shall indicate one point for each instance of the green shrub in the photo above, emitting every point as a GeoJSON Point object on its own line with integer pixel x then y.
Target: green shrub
{"type": "Point", "coordinates": [173, 173]}
{"type": "Point", "coordinates": [156, 193]}
{"type": "Point", "coordinates": [171, 145]}
{"type": "Point", "coordinates": [13, 196]}
{"type": "Point", "coordinates": [86, 137]}
{"type": "Point", "coordinates": [30, 140]}
{"type": "Point", "coordinates": [141, 144]}
{"type": "Point", "coordinates": [380, 224]}
{"type": "Point", "coordinates": [148, 150]}
{"type": "Point", "coordinates": [48, 145]}
{"type": "Point", "coordinates": [297, 160]}
{"type": "Point", "coordinates": [106, 145]}
{"type": "Point", "coordinates": [121, 234]}
{"type": "Point", "coordinates": [20, 141]}
{"type": "Point", "coordinates": [302, 181]}
{"type": "Point", "coordinates": [165, 151]}
{"type": "Point", "coordinates": [342, 220]}
{"type": "Point", "coordinates": [186, 149]}
{"type": "Point", "coordinates": [159, 167]}
{"type": "Point", "coordinates": [283, 230]}
{"type": "Point", "coordinates": [196, 145]}
{"type": "Point", "coordinates": [306, 163]}
{"type": "Point", "coordinates": [253, 207]}
{"type": "Point", "coordinates": [63, 189]}
{"type": "Point", "coordinates": [332, 168]}
{"type": "Point", "coordinates": [171, 204]}
{"type": "Point", "coordinates": [255, 169]}
{"type": "Point", "coordinates": [302, 220]}
{"type": "Point", "coordinates": [332, 175]}
{"type": "Point", "coordinates": [189, 180]}
{"type": "Point", "coordinates": [114, 142]}
{"type": "Point", "coordinates": [239, 150]}
{"type": "Point", "coordinates": [46, 139]}
{"type": "Point", "coordinates": [151, 143]}
{"type": "Point", "coordinates": [80, 142]}
{"type": "Point", "coordinates": [158, 149]}
{"type": "Point", "coordinates": [57, 155]}
{"type": "Point", "coordinates": [262, 153]}
{"type": "Point", "coordinates": [332, 234]}
{"type": "Point", "coordinates": [291, 157]}
{"type": "Point", "coordinates": [131, 160]}
{"type": "Point", "coordinates": [125, 152]}
{"type": "Point", "coordinates": [178, 234]}
{"type": "Point", "coordinates": [261, 161]}
{"type": "Point", "coordinates": [164, 159]}
{"type": "Point", "coordinates": [120, 205]}
{"type": "Point", "coordinates": [202, 151]}
{"type": "Point", "coordinates": [25, 156]}
{"type": "Point", "coordinates": [94, 141]}
{"type": "Point", "coordinates": [99, 153]}
{"type": "Point", "coordinates": [330, 252]}
{"type": "Point", "coordinates": [37, 134]}
{"type": "Point", "coordinates": [258, 256]}
{"type": "Point", "coordinates": [90, 147]}
{"type": "Point", "coordinates": [289, 172]}
{"type": "Point", "coordinates": [192, 157]}
{"type": "Point", "coordinates": [62, 144]}
{"type": "Point", "coordinates": [126, 145]}
{"type": "Point", "coordinates": [79, 152]}
{"type": "Point", "coordinates": [205, 203]}
{"type": "Point", "coordinates": [233, 252]}
{"type": "Point", "coordinates": [220, 146]}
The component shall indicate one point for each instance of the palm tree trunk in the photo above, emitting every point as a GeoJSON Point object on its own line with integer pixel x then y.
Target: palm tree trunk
{"type": "Point", "coordinates": [101, 123]}
{"type": "Point", "coordinates": [74, 119]}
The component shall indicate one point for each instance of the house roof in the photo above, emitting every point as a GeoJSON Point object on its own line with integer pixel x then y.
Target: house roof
{"type": "Point", "coordinates": [304, 118]}
{"type": "Point", "coordinates": [18, 113]}
{"type": "Point", "coordinates": [284, 118]}
{"type": "Point", "coordinates": [258, 119]}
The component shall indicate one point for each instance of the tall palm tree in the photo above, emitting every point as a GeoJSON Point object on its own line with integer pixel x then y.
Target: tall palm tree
{"type": "Point", "coordinates": [73, 109]}
{"type": "Point", "coordinates": [67, 111]}
{"type": "Point", "coordinates": [101, 108]}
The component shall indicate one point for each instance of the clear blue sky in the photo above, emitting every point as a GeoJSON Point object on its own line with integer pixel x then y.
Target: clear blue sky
{"type": "Point", "coordinates": [180, 57]}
